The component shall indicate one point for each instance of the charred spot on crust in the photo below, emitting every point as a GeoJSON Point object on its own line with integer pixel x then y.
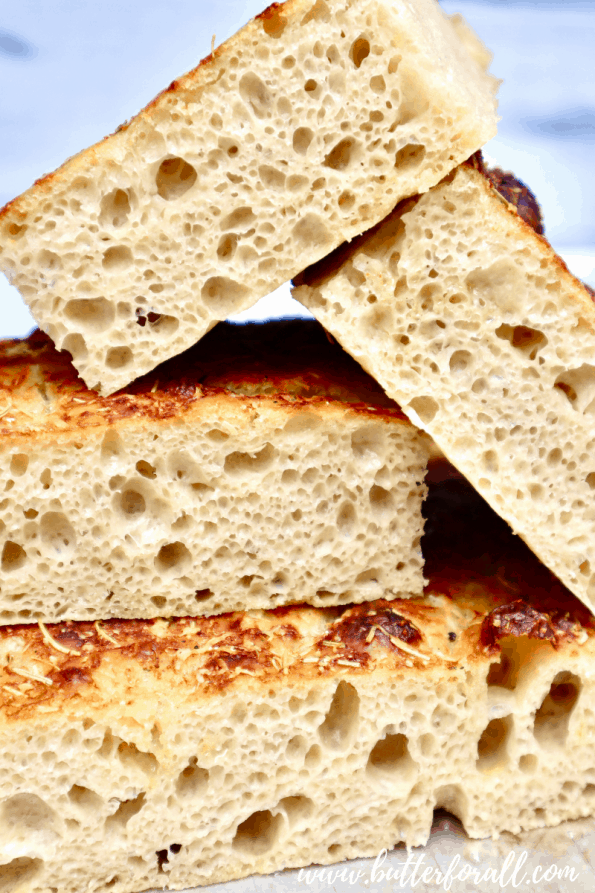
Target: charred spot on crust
{"type": "Point", "coordinates": [354, 628]}
{"type": "Point", "coordinates": [520, 196]}
{"type": "Point", "coordinates": [518, 618]}
{"type": "Point", "coordinates": [73, 676]}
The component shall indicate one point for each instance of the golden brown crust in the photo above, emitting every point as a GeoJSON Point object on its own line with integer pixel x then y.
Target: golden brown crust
{"type": "Point", "coordinates": [285, 366]}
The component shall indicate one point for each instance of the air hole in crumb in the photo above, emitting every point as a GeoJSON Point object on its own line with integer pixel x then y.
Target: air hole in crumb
{"type": "Point", "coordinates": [425, 407]}
{"type": "Point", "coordinates": [296, 748]}
{"type": "Point", "coordinates": [341, 722]}
{"type": "Point", "coordinates": [86, 800]}
{"type": "Point", "coordinates": [174, 178]}
{"type": "Point", "coordinates": [92, 314]}
{"type": "Point", "coordinates": [27, 813]}
{"type": "Point", "coordinates": [258, 833]}
{"type": "Point", "coordinates": [359, 50]}
{"type": "Point", "coordinates": [13, 557]}
{"type": "Point", "coordinates": [19, 874]}
{"type": "Point", "coordinates": [111, 446]}
{"type": "Point", "coordinates": [227, 246]}
{"type": "Point", "coordinates": [19, 464]}
{"type": "Point", "coordinates": [519, 655]}
{"type": "Point", "coordinates": [132, 757]}
{"type": "Point", "coordinates": [370, 440]}
{"type": "Point", "coordinates": [298, 809]}
{"type": "Point", "coordinates": [238, 219]}
{"type": "Point", "coordinates": [390, 758]}
{"type": "Point", "coordinates": [410, 156]}
{"type": "Point", "coordinates": [492, 747]}
{"type": "Point", "coordinates": [125, 811]}
{"type": "Point", "coordinates": [578, 385]}
{"type": "Point", "coordinates": [172, 556]}
{"type": "Point", "coordinates": [115, 208]}
{"type": "Point", "coordinates": [528, 341]}
{"type": "Point", "coordinates": [341, 155]}
{"type": "Point", "coordinates": [237, 463]}
{"type": "Point", "coordinates": [116, 258]}
{"type": "Point", "coordinates": [146, 469]}
{"type": "Point", "coordinates": [302, 138]}
{"type": "Point", "coordinates": [192, 780]}
{"type": "Point", "coordinates": [46, 478]}
{"type": "Point", "coordinates": [118, 357]}
{"type": "Point", "coordinates": [201, 595]}
{"type": "Point", "coordinates": [47, 260]}
{"type": "Point", "coordinates": [223, 296]}
{"type": "Point", "coordinates": [459, 361]}
{"type": "Point", "coordinates": [528, 763]}
{"type": "Point", "coordinates": [57, 533]}
{"type": "Point", "coordinates": [75, 345]}
{"type": "Point", "coordinates": [346, 518]}
{"type": "Point", "coordinates": [381, 501]}
{"type": "Point", "coordinates": [319, 12]}
{"type": "Point", "coordinates": [132, 503]}
{"type": "Point", "coordinates": [311, 231]}
{"type": "Point", "coordinates": [255, 94]}
{"type": "Point", "coordinates": [553, 716]}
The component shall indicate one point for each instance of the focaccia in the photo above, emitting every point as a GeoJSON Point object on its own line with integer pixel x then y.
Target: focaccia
{"type": "Point", "coordinates": [467, 317]}
{"type": "Point", "coordinates": [299, 132]}
{"type": "Point", "coordinates": [143, 754]}
{"type": "Point", "coordinates": [262, 468]}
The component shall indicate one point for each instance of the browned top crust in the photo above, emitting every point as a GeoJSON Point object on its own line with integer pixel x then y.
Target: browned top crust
{"type": "Point", "coordinates": [519, 196]}
{"type": "Point", "coordinates": [484, 584]}
{"type": "Point", "coordinates": [288, 363]}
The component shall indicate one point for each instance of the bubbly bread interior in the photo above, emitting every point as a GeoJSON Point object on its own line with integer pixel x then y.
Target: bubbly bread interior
{"type": "Point", "coordinates": [469, 320]}
{"type": "Point", "coordinates": [301, 131]}
{"type": "Point", "coordinates": [262, 468]}
{"type": "Point", "coordinates": [147, 754]}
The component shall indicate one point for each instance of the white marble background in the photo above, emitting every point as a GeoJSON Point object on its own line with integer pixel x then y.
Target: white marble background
{"type": "Point", "coordinates": [72, 70]}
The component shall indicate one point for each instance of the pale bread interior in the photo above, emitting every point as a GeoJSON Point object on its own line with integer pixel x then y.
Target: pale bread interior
{"type": "Point", "coordinates": [471, 322]}
{"type": "Point", "coordinates": [212, 516]}
{"type": "Point", "coordinates": [301, 131]}
{"type": "Point", "coordinates": [262, 468]}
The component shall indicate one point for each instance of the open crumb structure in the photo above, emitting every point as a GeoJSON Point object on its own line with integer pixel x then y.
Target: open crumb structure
{"type": "Point", "coordinates": [301, 131]}
{"type": "Point", "coordinates": [262, 467]}
{"type": "Point", "coordinates": [148, 754]}
{"type": "Point", "coordinates": [467, 317]}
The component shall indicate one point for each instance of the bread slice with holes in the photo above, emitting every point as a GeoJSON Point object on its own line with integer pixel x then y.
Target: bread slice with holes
{"type": "Point", "coordinates": [148, 754]}
{"type": "Point", "coordinates": [261, 468]}
{"type": "Point", "coordinates": [468, 318]}
{"type": "Point", "coordinates": [301, 131]}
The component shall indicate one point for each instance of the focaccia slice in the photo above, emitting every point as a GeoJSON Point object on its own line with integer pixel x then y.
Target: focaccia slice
{"type": "Point", "coordinates": [262, 468]}
{"type": "Point", "coordinates": [299, 132]}
{"type": "Point", "coordinates": [467, 317]}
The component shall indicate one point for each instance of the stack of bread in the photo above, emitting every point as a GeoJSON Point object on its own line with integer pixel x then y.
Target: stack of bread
{"type": "Point", "coordinates": [221, 652]}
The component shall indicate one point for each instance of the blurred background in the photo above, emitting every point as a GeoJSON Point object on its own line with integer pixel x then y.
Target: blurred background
{"type": "Point", "coordinates": [72, 70]}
